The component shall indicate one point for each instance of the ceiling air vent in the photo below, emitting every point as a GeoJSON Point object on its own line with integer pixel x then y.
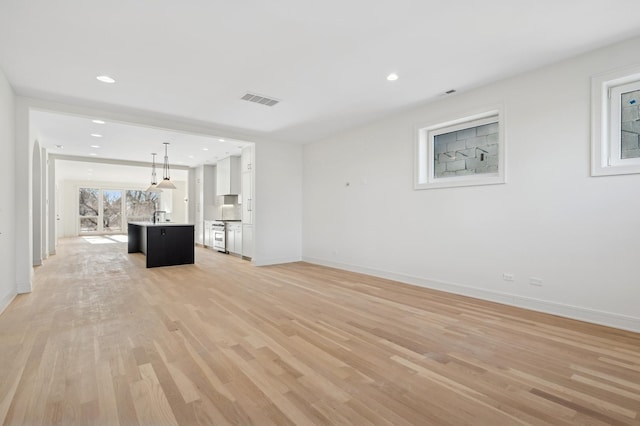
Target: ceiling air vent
{"type": "Point", "coordinates": [252, 97]}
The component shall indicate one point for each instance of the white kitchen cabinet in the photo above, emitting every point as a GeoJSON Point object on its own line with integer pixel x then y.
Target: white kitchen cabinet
{"type": "Point", "coordinates": [230, 241]}
{"type": "Point", "coordinates": [246, 160]}
{"type": "Point", "coordinates": [205, 195]}
{"type": "Point", "coordinates": [208, 233]}
{"type": "Point", "coordinates": [228, 176]}
{"type": "Point", "coordinates": [234, 238]}
{"type": "Point", "coordinates": [247, 241]}
{"type": "Point", "coordinates": [199, 217]}
{"type": "Point", "coordinates": [247, 198]}
{"type": "Point", "coordinates": [208, 189]}
{"type": "Point", "coordinates": [205, 234]}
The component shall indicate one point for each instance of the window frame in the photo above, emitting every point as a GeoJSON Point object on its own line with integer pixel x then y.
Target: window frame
{"type": "Point", "coordinates": [100, 230]}
{"type": "Point", "coordinates": [425, 174]}
{"type": "Point", "coordinates": [81, 217]}
{"type": "Point", "coordinates": [606, 135]}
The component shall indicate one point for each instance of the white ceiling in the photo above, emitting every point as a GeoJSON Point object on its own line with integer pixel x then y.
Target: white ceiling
{"type": "Point", "coordinates": [72, 135]}
{"type": "Point", "coordinates": [110, 173]}
{"type": "Point", "coordinates": [327, 61]}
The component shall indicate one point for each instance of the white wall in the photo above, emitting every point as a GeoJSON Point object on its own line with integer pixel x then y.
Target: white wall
{"type": "Point", "coordinates": [551, 220]}
{"type": "Point", "coordinates": [278, 203]}
{"type": "Point", "coordinates": [69, 208]}
{"type": "Point", "coordinates": [23, 197]}
{"type": "Point", "coordinates": [7, 193]}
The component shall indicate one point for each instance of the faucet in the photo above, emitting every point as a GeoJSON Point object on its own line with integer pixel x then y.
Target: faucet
{"type": "Point", "coordinates": [156, 215]}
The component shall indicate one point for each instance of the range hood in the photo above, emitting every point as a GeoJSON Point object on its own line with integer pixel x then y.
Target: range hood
{"type": "Point", "coordinates": [228, 177]}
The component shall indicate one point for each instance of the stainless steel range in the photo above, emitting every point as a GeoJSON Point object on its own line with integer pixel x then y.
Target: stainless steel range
{"type": "Point", "coordinates": [219, 236]}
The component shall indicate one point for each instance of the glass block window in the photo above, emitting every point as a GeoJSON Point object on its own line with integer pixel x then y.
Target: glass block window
{"type": "Point", "coordinates": [469, 151]}
{"type": "Point", "coordinates": [462, 152]}
{"type": "Point", "coordinates": [630, 124]}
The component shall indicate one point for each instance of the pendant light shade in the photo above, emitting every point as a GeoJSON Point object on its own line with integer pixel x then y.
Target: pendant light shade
{"type": "Point", "coordinates": [154, 182]}
{"type": "Point", "coordinates": [166, 178]}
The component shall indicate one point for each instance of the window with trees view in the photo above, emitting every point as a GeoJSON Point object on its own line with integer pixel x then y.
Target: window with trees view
{"type": "Point", "coordinates": [89, 209]}
{"type": "Point", "coordinates": [141, 205]}
{"type": "Point", "coordinates": [112, 210]}
{"type": "Point", "coordinates": [103, 210]}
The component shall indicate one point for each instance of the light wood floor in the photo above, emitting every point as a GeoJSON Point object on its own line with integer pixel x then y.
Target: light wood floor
{"type": "Point", "coordinates": [102, 340]}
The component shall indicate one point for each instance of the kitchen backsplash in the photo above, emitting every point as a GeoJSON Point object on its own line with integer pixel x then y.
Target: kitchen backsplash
{"type": "Point", "coordinates": [229, 212]}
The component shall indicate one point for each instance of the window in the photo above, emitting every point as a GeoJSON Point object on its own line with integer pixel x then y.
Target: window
{"type": "Point", "coordinates": [111, 210]}
{"type": "Point", "coordinates": [615, 134]}
{"type": "Point", "coordinates": [89, 210]}
{"type": "Point", "coordinates": [141, 205]}
{"type": "Point", "coordinates": [103, 211]}
{"type": "Point", "coordinates": [461, 152]}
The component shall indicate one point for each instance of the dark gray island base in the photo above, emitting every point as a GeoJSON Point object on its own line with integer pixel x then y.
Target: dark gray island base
{"type": "Point", "coordinates": [164, 244]}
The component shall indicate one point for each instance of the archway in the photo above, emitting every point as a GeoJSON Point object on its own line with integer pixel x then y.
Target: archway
{"type": "Point", "coordinates": [44, 171]}
{"type": "Point", "coordinates": [36, 194]}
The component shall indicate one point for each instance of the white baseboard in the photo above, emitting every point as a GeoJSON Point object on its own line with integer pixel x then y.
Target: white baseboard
{"type": "Point", "coordinates": [275, 261]}
{"type": "Point", "coordinates": [5, 301]}
{"type": "Point", "coordinates": [609, 319]}
{"type": "Point", "coordinates": [24, 288]}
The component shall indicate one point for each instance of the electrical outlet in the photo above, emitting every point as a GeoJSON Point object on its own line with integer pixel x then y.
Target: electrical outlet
{"type": "Point", "coordinates": [535, 281]}
{"type": "Point", "coordinates": [507, 277]}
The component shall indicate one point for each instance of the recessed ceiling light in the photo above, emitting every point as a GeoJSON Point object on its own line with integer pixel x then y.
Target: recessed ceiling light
{"type": "Point", "coordinates": [93, 154]}
{"type": "Point", "coordinates": [392, 77]}
{"type": "Point", "coordinates": [96, 135]}
{"type": "Point", "coordinates": [95, 146]}
{"type": "Point", "coordinates": [105, 79]}
{"type": "Point", "coordinates": [97, 121]}
{"type": "Point", "coordinates": [221, 140]}
{"type": "Point", "coordinates": [205, 149]}
{"type": "Point", "coordinates": [191, 156]}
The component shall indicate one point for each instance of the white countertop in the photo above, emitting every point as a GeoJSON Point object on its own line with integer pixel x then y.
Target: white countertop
{"type": "Point", "coordinates": [151, 224]}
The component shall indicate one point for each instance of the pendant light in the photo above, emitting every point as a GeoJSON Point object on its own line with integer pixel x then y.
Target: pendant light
{"type": "Point", "coordinates": [166, 178]}
{"type": "Point", "coordinates": [154, 182]}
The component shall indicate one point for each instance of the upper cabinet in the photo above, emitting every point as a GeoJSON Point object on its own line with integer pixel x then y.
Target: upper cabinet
{"type": "Point", "coordinates": [247, 195]}
{"type": "Point", "coordinates": [208, 188]}
{"type": "Point", "coordinates": [246, 162]}
{"type": "Point", "coordinates": [247, 185]}
{"type": "Point", "coordinates": [228, 176]}
{"type": "Point", "coordinates": [248, 204]}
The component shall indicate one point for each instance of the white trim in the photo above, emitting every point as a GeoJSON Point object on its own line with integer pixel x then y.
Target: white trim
{"type": "Point", "coordinates": [274, 261]}
{"type": "Point", "coordinates": [601, 117]}
{"type": "Point", "coordinates": [608, 319]}
{"type": "Point", "coordinates": [424, 156]}
{"type": "Point", "coordinates": [6, 301]}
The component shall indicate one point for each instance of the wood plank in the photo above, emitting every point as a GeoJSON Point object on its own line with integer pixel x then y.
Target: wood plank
{"type": "Point", "coordinates": [103, 340]}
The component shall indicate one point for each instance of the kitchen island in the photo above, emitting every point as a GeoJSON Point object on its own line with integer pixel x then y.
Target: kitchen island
{"type": "Point", "coordinates": [163, 243]}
